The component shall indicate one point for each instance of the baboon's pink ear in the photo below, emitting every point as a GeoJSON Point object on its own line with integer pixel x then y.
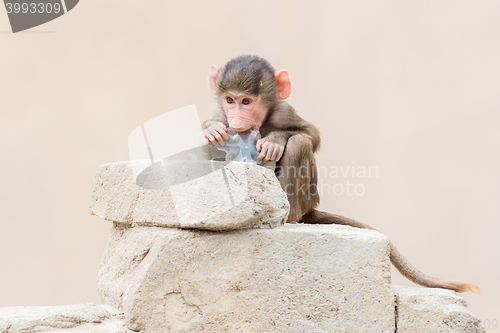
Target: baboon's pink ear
{"type": "Point", "coordinates": [212, 78]}
{"type": "Point", "coordinates": [284, 84]}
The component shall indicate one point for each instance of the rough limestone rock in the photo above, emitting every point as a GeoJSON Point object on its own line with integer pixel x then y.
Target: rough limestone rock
{"type": "Point", "coordinates": [425, 310]}
{"type": "Point", "coordinates": [208, 195]}
{"type": "Point", "coordinates": [70, 318]}
{"type": "Point", "coordinates": [294, 278]}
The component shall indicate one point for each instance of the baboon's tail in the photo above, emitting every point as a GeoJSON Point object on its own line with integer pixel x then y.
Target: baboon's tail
{"type": "Point", "coordinates": [397, 259]}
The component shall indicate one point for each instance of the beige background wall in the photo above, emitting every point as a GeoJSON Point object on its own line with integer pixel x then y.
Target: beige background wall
{"type": "Point", "coordinates": [411, 87]}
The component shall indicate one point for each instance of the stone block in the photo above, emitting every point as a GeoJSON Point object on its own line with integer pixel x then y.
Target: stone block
{"type": "Point", "coordinates": [294, 278]}
{"type": "Point", "coordinates": [71, 318]}
{"type": "Point", "coordinates": [209, 195]}
{"type": "Point", "coordinates": [426, 310]}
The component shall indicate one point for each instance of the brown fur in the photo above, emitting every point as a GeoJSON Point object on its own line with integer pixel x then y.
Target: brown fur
{"type": "Point", "coordinates": [296, 170]}
{"type": "Point", "coordinates": [250, 75]}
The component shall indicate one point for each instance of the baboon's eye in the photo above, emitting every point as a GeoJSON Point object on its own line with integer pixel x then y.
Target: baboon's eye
{"type": "Point", "coordinates": [246, 101]}
{"type": "Point", "coordinates": [229, 100]}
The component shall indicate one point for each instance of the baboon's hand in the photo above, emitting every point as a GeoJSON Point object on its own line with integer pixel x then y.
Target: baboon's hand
{"type": "Point", "coordinates": [270, 150]}
{"type": "Point", "coordinates": [215, 133]}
